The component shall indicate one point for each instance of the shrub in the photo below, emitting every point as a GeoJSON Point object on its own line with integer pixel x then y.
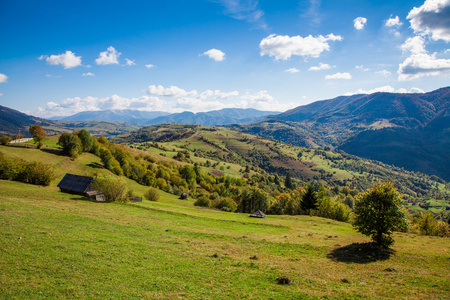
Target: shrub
{"type": "Point", "coordinates": [152, 194]}
{"type": "Point", "coordinates": [4, 140]}
{"type": "Point", "coordinates": [203, 201]}
{"type": "Point", "coordinates": [226, 204]}
{"type": "Point", "coordinates": [114, 188]}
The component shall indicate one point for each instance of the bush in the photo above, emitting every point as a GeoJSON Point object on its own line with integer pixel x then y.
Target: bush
{"type": "Point", "coordinates": [4, 140]}
{"type": "Point", "coordinates": [114, 188]}
{"type": "Point", "coordinates": [203, 201]}
{"type": "Point", "coordinates": [152, 194]}
{"type": "Point", "coordinates": [225, 204]}
{"type": "Point", "coordinates": [19, 170]}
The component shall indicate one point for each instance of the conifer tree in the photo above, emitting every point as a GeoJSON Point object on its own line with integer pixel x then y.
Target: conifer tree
{"type": "Point", "coordinates": [288, 182]}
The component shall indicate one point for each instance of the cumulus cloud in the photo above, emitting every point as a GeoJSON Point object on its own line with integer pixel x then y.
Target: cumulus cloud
{"type": "Point", "coordinates": [68, 60]}
{"type": "Point", "coordinates": [292, 70]}
{"type": "Point", "coordinates": [172, 91]}
{"type": "Point", "coordinates": [385, 89]}
{"type": "Point", "coordinates": [1, 94]}
{"type": "Point", "coordinates": [108, 57]}
{"type": "Point", "coordinates": [246, 10]}
{"type": "Point", "coordinates": [283, 46]}
{"type": "Point", "coordinates": [217, 94]}
{"type": "Point", "coordinates": [215, 54]}
{"type": "Point", "coordinates": [321, 66]}
{"type": "Point", "coordinates": [70, 106]}
{"type": "Point", "coordinates": [423, 64]}
{"type": "Point", "coordinates": [3, 78]}
{"type": "Point", "coordinates": [359, 23]}
{"type": "Point", "coordinates": [88, 74]}
{"type": "Point", "coordinates": [129, 62]}
{"type": "Point", "coordinates": [339, 76]}
{"type": "Point", "coordinates": [149, 66]}
{"type": "Point", "coordinates": [432, 18]}
{"type": "Point", "coordinates": [393, 22]}
{"type": "Point", "coordinates": [415, 45]}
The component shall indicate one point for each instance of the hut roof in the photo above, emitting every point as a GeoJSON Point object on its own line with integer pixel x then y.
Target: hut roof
{"type": "Point", "coordinates": [258, 214]}
{"type": "Point", "coordinates": [75, 183]}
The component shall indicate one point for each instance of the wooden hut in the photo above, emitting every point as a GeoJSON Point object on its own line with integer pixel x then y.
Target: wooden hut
{"type": "Point", "coordinates": [75, 184]}
{"type": "Point", "coordinates": [258, 214]}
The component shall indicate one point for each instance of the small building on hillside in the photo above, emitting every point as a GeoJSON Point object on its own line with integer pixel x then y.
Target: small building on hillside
{"type": "Point", "coordinates": [80, 185]}
{"type": "Point", "coordinates": [75, 184]}
{"type": "Point", "coordinates": [258, 214]}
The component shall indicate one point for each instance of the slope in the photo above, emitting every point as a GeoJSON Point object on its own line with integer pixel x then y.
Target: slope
{"type": "Point", "coordinates": [415, 124]}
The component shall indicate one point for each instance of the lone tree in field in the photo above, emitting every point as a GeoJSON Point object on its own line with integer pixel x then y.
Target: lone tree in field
{"type": "Point", "coordinates": [379, 212]}
{"type": "Point", "coordinates": [38, 134]}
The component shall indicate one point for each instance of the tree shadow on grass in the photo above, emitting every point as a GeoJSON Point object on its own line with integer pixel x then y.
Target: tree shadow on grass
{"type": "Point", "coordinates": [361, 253]}
{"type": "Point", "coordinates": [53, 151]}
{"type": "Point", "coordinates": [95, 165]}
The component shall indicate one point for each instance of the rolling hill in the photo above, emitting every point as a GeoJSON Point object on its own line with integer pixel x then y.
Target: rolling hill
{"type": "Point", "coordinates": [408, 130]}
{"type": "Point", "coordinates": [316, 166]}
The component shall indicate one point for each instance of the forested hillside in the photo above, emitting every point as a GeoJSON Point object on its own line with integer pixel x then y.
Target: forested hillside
{"type": "Point", "coordinates": [265, 156]}
{"type": "Point", "coordinates": [408, 130]}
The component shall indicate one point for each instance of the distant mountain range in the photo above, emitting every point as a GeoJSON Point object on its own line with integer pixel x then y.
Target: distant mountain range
{"type": "Point", "coordinates": [12, 122]}
{"type": "Point", "coordinates": [212, 118]}
{"type": "Point", "coordinates": [117, 115]}
{"type": "Point", "coordinates": [406, 130]}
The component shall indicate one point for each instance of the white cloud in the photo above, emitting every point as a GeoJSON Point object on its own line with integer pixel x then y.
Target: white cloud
{"type": "Point", "coordinates": [110, 56]}
{"type": "Point", "coordinates": [217, 94]}
{"type": "Point", "coordinates": [197, 105]}
{"type": "Point", "coordinates": [3, 78]}
{"type": "Point", "coordinates": [432, 18]}
{"type": "Point", "coordinates": [246, 10]}
{"type": "Point", "coordinates": [88, 74]}
{"type": "Point", "coordinates": [129, 62]}
{"type": "Point", "coordinates": [75, 105]}
{"type": "Point", "coordinates": [385, 89]}
{"type": "Point", "coordinates": [416, 90]}
{"type": "Point", "coordinates": [384, 73]}
{"type": "Point", "coordinates": [392, 22]}
{"type": "Point", "coordinates": [415, 45]}
{"type": "Point", "coordinates": [321, 66]}
{"type": "Point", "coordinates": [292, 70]}
{"type": "Point", "coordinates": [172, 91]}
{"type": "Point", "coordinates": [1, 94]}
{"type": "Point", "coordinates": [262, 100]}
{"type": "Point", "coordinates": [149, 66]}
{"type": "Point", "coordinates": [283, 46]}
{"type": "Point", "coordinates": [359, 23]}
{"type": "Point", "coordinates": [68, 60]}
{"type": "Point", "coordinates": [422, 64]}
{"type": "Point", "coordinates": [339, 76]}
{"type": "Point", "coordinates": [215, 54]}
{"type": "Point", "coordinates": [361, 67]}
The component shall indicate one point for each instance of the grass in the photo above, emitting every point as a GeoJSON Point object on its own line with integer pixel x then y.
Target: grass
{"type": "Point", "coordinates": [56, 245]}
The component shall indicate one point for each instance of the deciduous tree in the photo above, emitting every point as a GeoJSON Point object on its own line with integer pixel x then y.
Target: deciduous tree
{"type": "Point", "coordinates": [378, 213]}
{"type": "Point", "coordinates": [38, 134]}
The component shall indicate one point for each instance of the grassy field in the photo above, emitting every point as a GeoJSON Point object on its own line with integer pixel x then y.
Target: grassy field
{"type": "Point", "coordinates": [56, 245]}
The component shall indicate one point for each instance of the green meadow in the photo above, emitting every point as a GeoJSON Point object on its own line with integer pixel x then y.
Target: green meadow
{"type": "Point", "coordinates": [56, 245]}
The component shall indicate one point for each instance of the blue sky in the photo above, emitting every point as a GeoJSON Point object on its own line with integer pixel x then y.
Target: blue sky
{"type": "Point", "coordinates": [60, 58]}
